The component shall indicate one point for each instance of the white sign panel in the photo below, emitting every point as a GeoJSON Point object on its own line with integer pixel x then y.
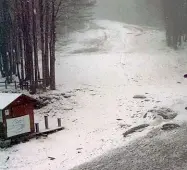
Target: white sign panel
{"type": "Point", "coordinates": [17, 126]}
{"type": "Point", "coordinates": [1, 116]}
{"type": "Point", "coordinates": [7, 112]}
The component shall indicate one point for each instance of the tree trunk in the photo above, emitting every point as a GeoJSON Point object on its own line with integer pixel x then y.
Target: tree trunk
{"type": "Point", "coordinates": [52, 48]}
{"type": "Point", "coordinates": [42, 42]}
{"type": "Point", "coordinates": [47, 41]}
{"type": "Point", "coordinates": [35, 44]}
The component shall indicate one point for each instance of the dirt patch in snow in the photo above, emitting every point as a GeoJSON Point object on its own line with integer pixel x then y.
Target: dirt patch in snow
{"type": "Point", "coordinates": [165, 113]}
{"type": "Point", "coordinates": [55, 103]}
{"type": "Point", "coordinates": [170, 126]}
{"type": "Point", "coordinates": [139, 97]}
{"type": "Point", "coordinates": [46, 99]}
{"type": "Point", "coordinates": [135, 129]}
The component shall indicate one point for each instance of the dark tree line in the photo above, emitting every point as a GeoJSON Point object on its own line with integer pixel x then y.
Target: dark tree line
{"type": "Point", "coordinates": [175, 17]}
{"type": "Point", "coordinates": [28, 27]}
{"type": "Point", "coordinates": [28, 38]}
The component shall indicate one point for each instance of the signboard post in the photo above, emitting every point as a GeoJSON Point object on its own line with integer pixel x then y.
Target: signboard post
{"type": "Point", "coordinates": [1, 116]}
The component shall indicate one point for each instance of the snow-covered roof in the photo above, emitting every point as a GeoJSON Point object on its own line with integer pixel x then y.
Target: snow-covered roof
{"type": "Point", "coordinates": [7, 98]}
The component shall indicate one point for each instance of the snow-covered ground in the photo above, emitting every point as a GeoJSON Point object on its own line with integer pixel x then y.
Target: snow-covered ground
{"type": "Point", "coordinates": [100, 70]}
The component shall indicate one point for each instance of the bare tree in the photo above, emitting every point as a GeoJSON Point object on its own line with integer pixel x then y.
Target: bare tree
{"type": "Point", "coordinates": [28, 27]}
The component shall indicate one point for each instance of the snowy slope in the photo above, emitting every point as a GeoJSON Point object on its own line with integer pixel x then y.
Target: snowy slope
{"type": "Point", "coordinates": [102, 68]}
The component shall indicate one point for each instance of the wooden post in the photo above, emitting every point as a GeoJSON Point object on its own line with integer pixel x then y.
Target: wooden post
{"type": "Point", "coordinates": [5, 84]}
{"type": "Point", "coordinates": [59, 122]}
{"type": "Point", "coordinates": [15, 85]}
{"type": "Point", "coordinates": [21, 84]}
{"type": "Point", "coordinates": [37, 127]}
{"type": "Point", "coordinates": [27, 86]}
{"type": "Point", "coordinates": [46, 122]}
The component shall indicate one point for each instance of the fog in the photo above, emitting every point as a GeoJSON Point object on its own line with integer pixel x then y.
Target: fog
{"type": "Point", "coordinates": [139, 12]}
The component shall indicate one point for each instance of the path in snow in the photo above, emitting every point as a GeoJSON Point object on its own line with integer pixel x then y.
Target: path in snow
{"type": "Point", "coordinates": [103, 67]}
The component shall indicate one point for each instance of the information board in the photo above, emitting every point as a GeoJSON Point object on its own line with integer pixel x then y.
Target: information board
{"type": "Point", "coordinates": [17, 126]}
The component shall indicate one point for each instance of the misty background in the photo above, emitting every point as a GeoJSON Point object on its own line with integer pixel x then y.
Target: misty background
{"type": "Point", "coordinates": [137, 12]}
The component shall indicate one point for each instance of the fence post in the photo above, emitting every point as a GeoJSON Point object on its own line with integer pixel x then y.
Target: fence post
{"type": "Point", "coordinates": [27, 85]}
{"type": "Point", "coordinates": [5, 84]}
{"type": "Point", "coordinates": [59, 122]}
{"type": "Point", "coordinates": [15, 85]}
{"type": "Point", "coordinates": [46, 122]}
{"type": "Point", "coordinates": [21, 85]}
{"type": "Point", "coordinates": [37, 127]}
